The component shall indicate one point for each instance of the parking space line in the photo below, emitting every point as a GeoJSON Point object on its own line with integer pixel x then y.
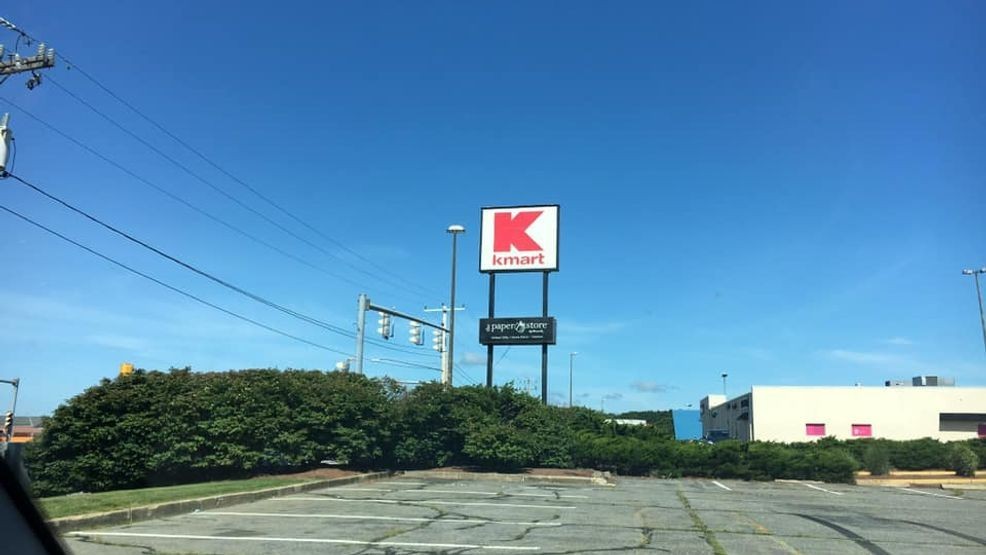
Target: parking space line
{"type": "Point", "coordinates": [364, 489]}
{"type": "Point", "coordinates": [813, 486]}
{"type": "Point", "coordinates": [934, 494]}
{"type": "Point", "coordinates": [386, 518]}
{"type": "Point", "coordinates": [727, 488]}
{"type": "Point", "coordinates": [307, 540]}
{"type": "Point", "coordinates": [492, 493]}
{"type": "Point", "coordinates": [423, 502]}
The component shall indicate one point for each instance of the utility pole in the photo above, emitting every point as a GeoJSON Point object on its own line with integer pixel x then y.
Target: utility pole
{"type": "Point", "coordinates": [979, 294]}
{"type": "Point", "coordinates": [453, 230]}
{"type": "Point", "coordinates": [13, 63]}
{"type": "Point", "coordinates": [362, 305]}
{"type": "Point", "coordinates": [446, 360]}
{"type": "Point", "coordinates": [16, 382]}
{"type": "Point", "coordinates": [571, 363]}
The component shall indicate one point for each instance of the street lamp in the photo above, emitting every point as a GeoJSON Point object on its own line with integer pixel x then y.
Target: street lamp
{"type": "Point", "coordinates": [571, 362]}
{"type": "Point", "coordinates": [454, 230]}
{"type": "Point", "coordinates": [724, 375]}
{"type": "Point", "coordinates": [979, 294]}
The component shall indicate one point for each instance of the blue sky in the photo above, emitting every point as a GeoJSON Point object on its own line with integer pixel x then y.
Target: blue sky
{"type": "Point", "coordinates": [786, 193]}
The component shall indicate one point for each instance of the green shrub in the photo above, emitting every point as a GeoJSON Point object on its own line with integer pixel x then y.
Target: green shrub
{"type": "Point", "coordinates": [876, 459]}
{"type": "Point", "coordinates": [963, 460]}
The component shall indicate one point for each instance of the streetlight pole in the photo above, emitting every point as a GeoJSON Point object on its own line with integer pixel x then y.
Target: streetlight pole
{"type": "Point", "coordinates": [979, 294]}
{"type": "Point", "coordinates": [454, 230]}
{"type": "Point", "coordinates": [724, 375]}
{"type": "Point", "coordinates": [571, 362]}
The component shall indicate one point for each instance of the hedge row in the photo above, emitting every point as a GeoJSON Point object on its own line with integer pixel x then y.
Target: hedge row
{"type": "Point", "coordinates": [160, 428]}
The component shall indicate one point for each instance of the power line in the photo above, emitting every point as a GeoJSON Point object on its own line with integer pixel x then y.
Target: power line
{"type": "Point", "coordinates": [391, 282]}
{"type": "Point", "coordinates": [182, 263]}
{"type": "Point", "coordinates": [236, 200]}
{"type": "Point", "coordinates": [177, 198]}
{"type": "Point", "coordinates": [253, 296]}
{"type": "Point", "coordinates": [170, 287]}
{"type": "Point", "coordinates": [404, 363]}
{"type": "Point", "coordinates": [502, 356]}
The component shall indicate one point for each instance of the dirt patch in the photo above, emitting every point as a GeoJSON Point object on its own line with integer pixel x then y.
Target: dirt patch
{"type": "Point", "coordinates": [576, 472]}
{"type": "Point", "coordinates": [322, 474]}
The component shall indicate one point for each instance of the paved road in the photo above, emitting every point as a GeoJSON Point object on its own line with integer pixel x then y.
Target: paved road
{"type": "Point", "coordinates": [637, 515]}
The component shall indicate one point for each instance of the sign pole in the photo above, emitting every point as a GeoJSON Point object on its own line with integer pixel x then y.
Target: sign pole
{"type": "Point", "coordinates": [489, 348]}
{"type": "Point", "coordinates": [544, 348]}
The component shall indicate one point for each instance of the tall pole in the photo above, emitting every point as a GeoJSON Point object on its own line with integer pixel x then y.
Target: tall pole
{"type": "Point", "coordinates": [544, 348]}
{"type": "Point", "coordinates": [455, 230]}
{"type": "Point", "coordinates": [979, 294]}
{"type": "Point", "coordinates": [362, 305]}
{"type": "Point", "coordinates": [724, 375]}
{"type": "Point", "coordinates": [571, 363]}
{"type": "Point", "coordinates": [446, 371]}
{"type": "Point", "coordinates": [489, 348]}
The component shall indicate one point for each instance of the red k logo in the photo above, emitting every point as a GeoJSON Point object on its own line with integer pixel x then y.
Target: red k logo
{"type": "Point", "coordinates": [511, 231]}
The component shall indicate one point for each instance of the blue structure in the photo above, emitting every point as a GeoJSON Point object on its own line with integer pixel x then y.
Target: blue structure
{"type": "Point", "coordinates": [687, 424]}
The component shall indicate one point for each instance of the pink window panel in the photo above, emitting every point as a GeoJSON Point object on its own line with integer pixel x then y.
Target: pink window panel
{"type": "Point", "coordinates": [815, 429]}
{"type": "Point", "coordinates": [862, 430]}
{"type": "Point", "coordinates": [982, 430]}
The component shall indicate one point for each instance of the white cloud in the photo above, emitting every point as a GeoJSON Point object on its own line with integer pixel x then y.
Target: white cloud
{"type": "Point", "coordinates": [864, 357]}
{"type": "Point", "coordinates": [900, 341]}
{"type": "Point", "coordinates": [613, 396]}
{"type": "Point", "coordinates": [472, 359]}
{"type": "Point", "coordinates": [594, 328]}
{"type": "Point", "coordinates": [647, 386]}
{"type": "Point", "coordinates": [116, 341]}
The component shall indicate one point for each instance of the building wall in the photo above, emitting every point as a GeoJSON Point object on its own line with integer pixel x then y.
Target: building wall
{"type": "Point", "coordinates": [711, 423]}
{"type": "Point", "coordinates": [782, 413]}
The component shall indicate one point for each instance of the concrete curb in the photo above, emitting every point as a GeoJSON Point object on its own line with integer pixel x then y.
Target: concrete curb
{"type": "Point", "coordinates": [171, 508]}
{"type": "Point", "coordinates": [597, 478]}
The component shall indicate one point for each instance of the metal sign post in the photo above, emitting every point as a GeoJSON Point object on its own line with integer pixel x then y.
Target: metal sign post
{"type": "Point", "coordinates": [519, 239]}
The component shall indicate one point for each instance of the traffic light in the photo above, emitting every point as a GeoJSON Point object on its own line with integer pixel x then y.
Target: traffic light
{"type": "Point", "coordinates": [8, 425]}
{"type": "Point", "coordinates": [384, 330]}
{"type": "Point", "coordinates": [414, 333]}
{"type": "Point", "coordinates": [438, 340]}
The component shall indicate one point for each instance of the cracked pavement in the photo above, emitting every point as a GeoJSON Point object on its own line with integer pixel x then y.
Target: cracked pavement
{"type": "Point", "coordinates": [637, 515]}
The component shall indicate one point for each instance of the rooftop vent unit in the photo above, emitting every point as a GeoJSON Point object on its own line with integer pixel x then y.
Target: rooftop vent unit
{"type": "Point", "coordinates": [932, 381]}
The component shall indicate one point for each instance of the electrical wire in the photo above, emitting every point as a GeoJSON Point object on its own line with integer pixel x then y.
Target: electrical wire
{"type": "Point", "coordinates": [465, 375]}
{"type": "Point", "coordinates": [177, 198]}
{"type": "Point", "coordinates": [253, 296]}
{"type": "Point", "coordinates": [170, 287]}
{"type": "Point", "coordinates": [384, 277]}
{"type": "Point", "coordinates": [395, 362]}
{"type": "Point", "coordinates": [320, 323]}
{"type": "Point", "coordinates": [502, 356]}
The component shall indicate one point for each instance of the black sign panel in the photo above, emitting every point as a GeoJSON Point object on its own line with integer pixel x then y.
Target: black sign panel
{"type": "Point", "coordinates": [517, 331]}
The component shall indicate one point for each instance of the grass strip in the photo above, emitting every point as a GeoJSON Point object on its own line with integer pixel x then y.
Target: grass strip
{"type": "Point", "coordinates": [710, 537]}
{"type": "Point", "coordinates": [85, 503]}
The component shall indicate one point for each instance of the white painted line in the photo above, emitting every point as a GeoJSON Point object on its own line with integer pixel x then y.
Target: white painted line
{"type": "Point", "coordinates": [929, 493]}
{"type": "Point", "coordinates": [491, 493]}
{"type": "Point", "coordinates": [425, 502]}
{"type": "Point", "coordinates": [364, 489]}
{"type": "Point", "coordinates": [305, 540]}
{"type": "Point", "coordinates": [402, 483]}
{"type": "Point", "coordinates": [387, 518]}
{"type": "Point", "coordinates": [819, 489]}
{"type": "Point", "coordinates": [727, 488]}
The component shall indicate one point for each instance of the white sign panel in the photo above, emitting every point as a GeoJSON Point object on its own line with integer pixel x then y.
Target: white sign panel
{"type": "Point", "coordinates": [519, 239]}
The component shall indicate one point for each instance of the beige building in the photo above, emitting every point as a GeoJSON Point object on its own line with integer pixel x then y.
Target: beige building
{"type": "Point", "coordinates": [790, 414]}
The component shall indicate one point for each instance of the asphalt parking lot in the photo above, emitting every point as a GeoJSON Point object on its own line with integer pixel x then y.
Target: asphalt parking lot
{"type": "Point", "coordinates": [416, 515]}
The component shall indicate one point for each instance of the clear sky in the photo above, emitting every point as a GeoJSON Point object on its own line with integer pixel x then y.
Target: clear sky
{"type": "Point", "coordinates": [786, 192]}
